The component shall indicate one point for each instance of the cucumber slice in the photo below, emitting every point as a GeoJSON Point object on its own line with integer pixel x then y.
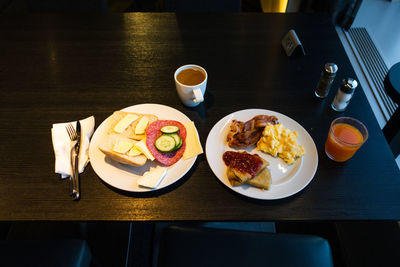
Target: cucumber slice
{"type": "Point", "coordinates": [169, 129]}
{"type": "Point", "coordinates": [177, 139]}
{"type": "Point", "coordinates": [165, 143]}
{"type": "Point", "coordinates": [179, 144]}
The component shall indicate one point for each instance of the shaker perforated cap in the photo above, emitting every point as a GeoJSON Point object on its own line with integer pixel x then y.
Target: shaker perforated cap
{"type": "Point", "coordinates": [349, 85]}
{"type": "Point", "coordinates": [330, 68]}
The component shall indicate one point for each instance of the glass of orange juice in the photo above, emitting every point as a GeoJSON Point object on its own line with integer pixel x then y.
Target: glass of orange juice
{"type": "Point", "coordinates": [346, 136]}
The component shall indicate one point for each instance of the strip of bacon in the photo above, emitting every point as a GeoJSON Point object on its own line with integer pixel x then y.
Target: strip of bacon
{"type": "Point", "coordinates": [245, 134]}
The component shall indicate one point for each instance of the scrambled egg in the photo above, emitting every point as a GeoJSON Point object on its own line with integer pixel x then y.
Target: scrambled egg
{"type": "Point", "coordinates": [280, 141]}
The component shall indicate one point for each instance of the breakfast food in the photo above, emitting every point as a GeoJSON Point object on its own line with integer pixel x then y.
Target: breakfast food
{"type": "Point", "coordinates": [193, 145]}
{"type": "Point", "coordinates": [280, 141]}
{"type": "Point", "coordinates": [132, 138]}
{"type": "Point", "coordinates": [153, 177]}
{"type": "Point", "coordinates": [166, 141]}
{"type": "Point", "coordinates": [131, 125]}
{"type": "Point", "coordinates": [136, 139]}
{"type": "Point", "coordinates": [245, 134]}
{"type": "Point", "coordinates": [270, 137]}
{"type": "Point", "coordinates": [125, 138]}
{"type": "Point", "coordinates": [123, 149]}
{"type": "Point", "coordinates": [245, 168]}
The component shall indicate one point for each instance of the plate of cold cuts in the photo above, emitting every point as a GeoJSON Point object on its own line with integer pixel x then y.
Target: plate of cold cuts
{"type": "Point", "coordinates": [259, 174]}
{"type": "Point", "coordinates": [124, 176]}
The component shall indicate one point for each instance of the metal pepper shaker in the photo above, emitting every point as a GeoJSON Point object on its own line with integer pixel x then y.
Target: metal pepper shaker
{"type": "Point", "coordinates": [325, 82]}
{"type": "Point", "coordinates": [344, 94]}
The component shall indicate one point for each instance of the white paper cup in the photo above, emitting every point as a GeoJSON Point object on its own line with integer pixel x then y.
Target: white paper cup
{"type": "Point", "coordinates": [191, 95]}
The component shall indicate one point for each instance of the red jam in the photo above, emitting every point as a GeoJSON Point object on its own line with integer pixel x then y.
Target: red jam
{"type": "Point", "coordinates": [243, 162]}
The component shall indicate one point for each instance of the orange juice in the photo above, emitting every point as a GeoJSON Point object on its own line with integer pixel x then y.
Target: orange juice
{"type": "Point", "coordinates": [343, 141]}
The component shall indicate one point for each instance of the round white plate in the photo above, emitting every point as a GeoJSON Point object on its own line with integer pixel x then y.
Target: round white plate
{"type": "Point", "coordinates": [124, 176]}
{"type": "Point", "coordinates": [286, 179]}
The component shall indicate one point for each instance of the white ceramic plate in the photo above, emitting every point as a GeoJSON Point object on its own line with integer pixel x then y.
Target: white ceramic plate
{"type": "Point", "coordinates": [123, 176]}
{"type": "Point", "coordinates": [286, 179]}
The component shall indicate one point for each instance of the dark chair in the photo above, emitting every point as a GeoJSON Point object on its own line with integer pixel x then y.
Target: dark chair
{"type": "Point", "coordinates": [60, 253]}
{"type": "Point", "coordinates": [392, 127]}
{"type": "Point", "coordinates": [199, 246]}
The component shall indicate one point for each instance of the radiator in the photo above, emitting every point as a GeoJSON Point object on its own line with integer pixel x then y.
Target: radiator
{"type": "Point", "coordinates": [373, 66]}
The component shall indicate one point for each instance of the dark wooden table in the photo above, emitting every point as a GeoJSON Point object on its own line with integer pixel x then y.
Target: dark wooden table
{"type": "Point", "coordinates": [66, 67]}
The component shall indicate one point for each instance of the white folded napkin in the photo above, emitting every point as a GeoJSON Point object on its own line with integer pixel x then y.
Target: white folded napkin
{"type": "Point", "coordinates": [62, 146]}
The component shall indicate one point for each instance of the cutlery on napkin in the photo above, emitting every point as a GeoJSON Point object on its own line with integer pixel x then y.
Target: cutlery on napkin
{"type": "Point", "coordinates": [62, 146]}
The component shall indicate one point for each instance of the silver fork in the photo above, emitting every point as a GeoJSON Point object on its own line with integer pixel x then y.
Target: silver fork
{"type": "Point", "coordinates": [74, 178]}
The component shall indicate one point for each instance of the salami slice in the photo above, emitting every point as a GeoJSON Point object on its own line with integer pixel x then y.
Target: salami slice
{"type": "Point", "coordinates": [153, 131]}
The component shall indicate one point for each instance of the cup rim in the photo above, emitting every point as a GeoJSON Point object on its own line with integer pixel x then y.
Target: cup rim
{"type": "Point", "coordinates": [187, 66]}
{"type": "Point", "coordinates": [344, 142]}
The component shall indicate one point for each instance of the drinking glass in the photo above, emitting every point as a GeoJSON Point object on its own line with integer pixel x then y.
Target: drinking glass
{"type": "Point", "coordinates": [346, 135]}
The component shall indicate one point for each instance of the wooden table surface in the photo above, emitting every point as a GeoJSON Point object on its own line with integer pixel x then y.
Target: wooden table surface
{"type": "Point", "coordinates": [67, 67]}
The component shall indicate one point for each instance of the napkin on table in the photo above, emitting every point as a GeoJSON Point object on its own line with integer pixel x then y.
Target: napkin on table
{"type": "Point", "coordinates": [62, 146]}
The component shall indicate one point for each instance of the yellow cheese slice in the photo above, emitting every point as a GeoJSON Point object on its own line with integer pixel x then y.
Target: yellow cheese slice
{"type": "Point", "coordinates": [125, 122]}
{"type": "Point", "coordinates": [134, 152]}
{"type": "Point", "coordinates": [193, 145]}
{"type": "Point", "coordinates": [152, 178]}
{"type": "Point", "coordinates": [122, 146]}
{"type": "Point", "coordinates": [141, 145]}
{"type": "Point", "coordinates": [142, 125]}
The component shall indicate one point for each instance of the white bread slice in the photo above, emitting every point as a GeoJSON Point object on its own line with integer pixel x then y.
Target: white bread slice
{"type": "Point", "coordinates": [107, 147]}
{"type": "Point", "coordinates": [130, 130]}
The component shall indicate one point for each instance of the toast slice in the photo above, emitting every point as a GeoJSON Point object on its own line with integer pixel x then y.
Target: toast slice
{"type": "Point", "coordinates": [233, 179]}
{"type": "Point", "coordinates": [117, 142]}
{"type": "Point", "coordinates": [261, 180]}
{"type": "Point", "coordinates": [243, 177]}
{"type": "Point", "coordinates": [128, 130]}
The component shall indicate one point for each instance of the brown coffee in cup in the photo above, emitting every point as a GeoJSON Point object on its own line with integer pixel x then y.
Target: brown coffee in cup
{"type": "Point", "coordinates": [191, 76]}
{"type": "Point", "coordinates": [191, 82]}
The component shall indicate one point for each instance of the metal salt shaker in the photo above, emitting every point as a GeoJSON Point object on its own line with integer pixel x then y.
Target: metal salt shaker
{"type": "Point", "coordinates": [327, 76]}
{"type": "Point", "coordinates": [344, 94]}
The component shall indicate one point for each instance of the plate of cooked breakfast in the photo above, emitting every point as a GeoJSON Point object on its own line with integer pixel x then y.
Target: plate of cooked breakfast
{"type": "Point", "coordinates": [144, 147]}
{"type": "Point", "coordinates": [261, 154]}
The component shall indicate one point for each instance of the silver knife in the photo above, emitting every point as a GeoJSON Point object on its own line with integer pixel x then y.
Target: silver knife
{"type": "Point", "coordinates": [75, 193]}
